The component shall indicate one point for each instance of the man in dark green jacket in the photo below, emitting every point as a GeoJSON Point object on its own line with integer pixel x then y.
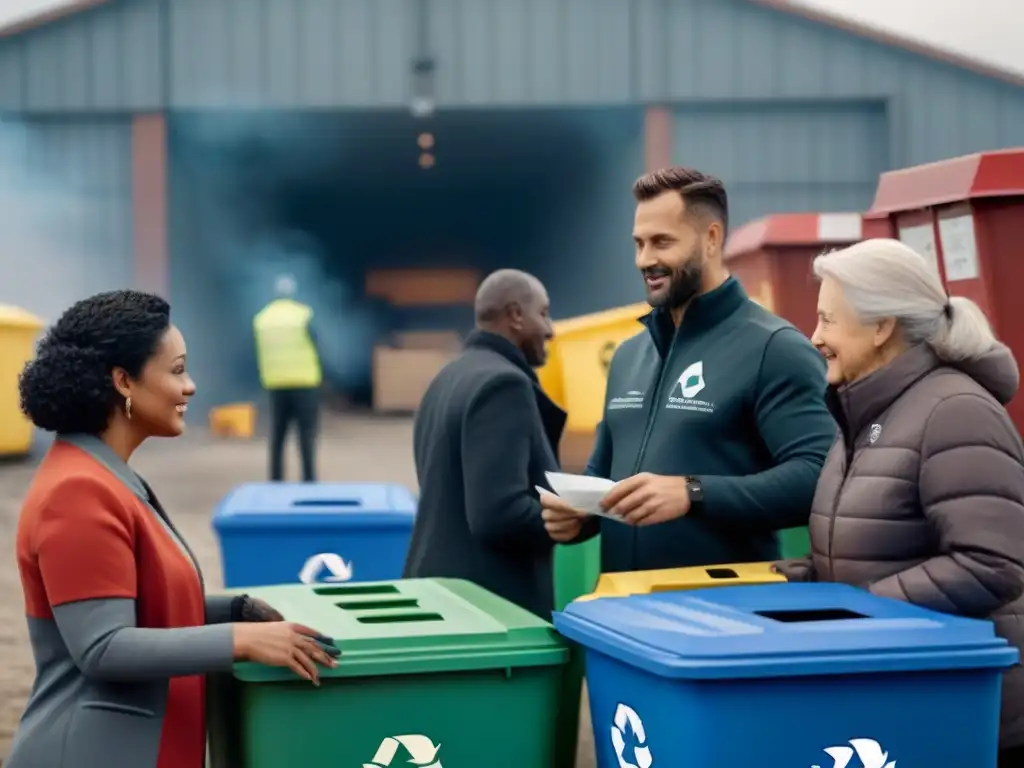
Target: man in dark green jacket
{"type": "Point", "coordinates": [715, 422]}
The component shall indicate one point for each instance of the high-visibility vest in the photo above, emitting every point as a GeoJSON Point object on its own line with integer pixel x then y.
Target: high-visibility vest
{"type": "Point", "coordinates": [285, 351]}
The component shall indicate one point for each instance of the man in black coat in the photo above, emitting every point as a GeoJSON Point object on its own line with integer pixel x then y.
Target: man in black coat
{"type": "Point", "coordinates": [485, 434]}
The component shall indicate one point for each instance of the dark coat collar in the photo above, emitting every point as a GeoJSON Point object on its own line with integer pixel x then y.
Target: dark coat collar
{"type": "Point", "coordinates": [552, 416]}
{"type": "Point", "coordinates": [855, 406]}
{"type": "Point", "coordinates": [705, 311]}
{"type": "Point", "coordinates": [479, 339]}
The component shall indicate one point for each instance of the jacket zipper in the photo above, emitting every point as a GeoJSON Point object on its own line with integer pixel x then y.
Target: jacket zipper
{"type": "Point", "coordinates": [657, 391]}
{"type": "Point", "coordinates": [848, 450]}
{"type": "Point", "coordinates": [649, 427]}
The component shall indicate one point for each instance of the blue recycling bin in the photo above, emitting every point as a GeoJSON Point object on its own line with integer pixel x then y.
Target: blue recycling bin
{"type": "Point", "coordinates": [281, 533]}
{"type": "Point", "coordinates": [787, 676]}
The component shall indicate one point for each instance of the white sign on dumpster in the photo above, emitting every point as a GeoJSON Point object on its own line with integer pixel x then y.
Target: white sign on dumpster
{"type": "Point", "coordinates": [421, 749]}
{"type": "Point", "coordinates": [921, 238]}
{"type": "Point", "coordinates": [327, 566]}
{"type": "Point", "coordinates": [959, 247]}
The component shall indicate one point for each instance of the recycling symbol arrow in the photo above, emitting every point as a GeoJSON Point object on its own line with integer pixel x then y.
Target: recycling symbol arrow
{"type": "Point", "coordinates": [624, 716]}
{"type": "Point", "coordinates": [335, 568]}
{"type": "Point", "coordinates": [869, 752]}
{"type": "Point", "coordinates": [422, 751]}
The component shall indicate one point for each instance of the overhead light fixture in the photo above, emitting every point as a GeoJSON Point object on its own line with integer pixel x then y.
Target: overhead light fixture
{"type": "Point", "coordinates": [422, 104]}
{"type": "Point", "coordinates": [425, 141]}
{"type": "Point", "coordinates": [422, 107]}
{"type": "Point", "coordinates": [426, 161]}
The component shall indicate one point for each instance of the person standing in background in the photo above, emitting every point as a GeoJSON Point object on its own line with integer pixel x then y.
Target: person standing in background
{"type": "Point", "coordinates": [715, 426]}
{"type": "Point", "coordinates": [485, 434]}
{"type": "Point", "coordinates": [290, 371]}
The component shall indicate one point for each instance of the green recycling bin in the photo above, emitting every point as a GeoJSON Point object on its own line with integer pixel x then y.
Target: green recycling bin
{"type": "Point", "coordinates": [794, 542]}
{"type": "Point", "coordinates": [433, 673]}
{"type": "Point", "coordinates": [577, 569]}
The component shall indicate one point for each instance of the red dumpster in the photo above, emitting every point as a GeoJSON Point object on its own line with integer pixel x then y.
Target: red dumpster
{"type": "Point", "coordinates": [772, 258]}
{"type": "Point", "coordinates": [966, 215]}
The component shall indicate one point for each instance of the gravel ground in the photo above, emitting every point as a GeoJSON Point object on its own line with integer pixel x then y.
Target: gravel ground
{"type": "Point", "coordinates": [191, 474]}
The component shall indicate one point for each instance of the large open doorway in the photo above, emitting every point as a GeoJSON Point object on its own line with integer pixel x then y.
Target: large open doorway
{"type": "Point", "coordinates": [328, 197]}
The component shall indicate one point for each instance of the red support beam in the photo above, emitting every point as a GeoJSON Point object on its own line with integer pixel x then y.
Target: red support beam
{"type": "Point", "coordinates": [149, 203]}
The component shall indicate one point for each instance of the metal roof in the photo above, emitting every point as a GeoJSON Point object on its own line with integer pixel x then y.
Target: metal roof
{"type": "Point", "coordinates": [859, 29]}
{"type": "Point", "coordinates": [23, 23]}
{"type": "Point", "coordinates": [984, 174]}
{"type": "Point", "coordinates": [781, 229]}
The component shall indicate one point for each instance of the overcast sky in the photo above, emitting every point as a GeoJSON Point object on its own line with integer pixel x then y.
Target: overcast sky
{"type": "Point", "coordinates": [981, 29]}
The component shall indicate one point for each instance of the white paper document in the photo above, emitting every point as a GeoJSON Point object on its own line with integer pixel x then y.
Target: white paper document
{"type": "Point", "coordinates": [581, 492]}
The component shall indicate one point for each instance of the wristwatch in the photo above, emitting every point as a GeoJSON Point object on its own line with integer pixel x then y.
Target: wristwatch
{"type": "Point", "coordinates": [695, 490]}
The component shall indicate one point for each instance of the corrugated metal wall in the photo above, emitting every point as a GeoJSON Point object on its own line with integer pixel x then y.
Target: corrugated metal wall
{"type": "Point", "coordinates": [699, 51]}
{"type": "Point", "coordinates": [787, 157]}
{"type": "Point", "coordinates": [140, 54]}
{"type": "Point", "coordinates": [105, 59]}
{"type": "Point", "coordinates": [814, 113]}
{"type": "Point", "coordinates": [65, 191]}
{"type": "Point", "coordinates": [289, 53]}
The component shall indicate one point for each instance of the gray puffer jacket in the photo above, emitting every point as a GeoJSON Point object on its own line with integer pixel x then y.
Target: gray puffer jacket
{"type": "Point", "coordinates": [921, 498]}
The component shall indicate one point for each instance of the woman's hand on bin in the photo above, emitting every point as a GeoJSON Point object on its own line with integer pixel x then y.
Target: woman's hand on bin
{"type": "Point", "coordinates": [562, 522]}
{"type": "Point", "coordinates": [282, 644]}
{"type": "Point", "coordinates": [797, 569]}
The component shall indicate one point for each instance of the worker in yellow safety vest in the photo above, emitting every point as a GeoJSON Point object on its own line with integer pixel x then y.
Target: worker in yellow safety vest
{"type": "Point", "coordinates": [289, 364]}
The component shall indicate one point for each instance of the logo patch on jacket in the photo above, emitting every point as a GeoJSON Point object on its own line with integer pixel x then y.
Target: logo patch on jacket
{"type": "Point", "coordinates": [690, 384]}
{"type": "Point", "coordinates": [875, 433]}
{"type": "Point", "coordinates": [634, 399]}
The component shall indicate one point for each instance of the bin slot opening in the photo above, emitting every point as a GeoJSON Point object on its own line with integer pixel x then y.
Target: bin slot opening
{"type": "Point", "coordinates": [806, 616]}
{"type": "Point", "coordinates": [357, 589]}
{"type": "Point", "coordinates": [378, 605]}
{"type": "Point", "coordinates": [326, 503]}
{"type": "Point", "coordinates": [400, 618]}
{"type": "Point", "coordinates": [721, 573]}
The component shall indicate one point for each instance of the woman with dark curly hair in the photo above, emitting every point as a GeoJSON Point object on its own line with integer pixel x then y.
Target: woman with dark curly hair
{"type": "Point", "coordinates": [120, 627]}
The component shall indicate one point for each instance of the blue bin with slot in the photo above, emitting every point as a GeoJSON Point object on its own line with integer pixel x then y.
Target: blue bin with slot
{"type": "Point", "coordinates": [787, 676]}
{"type": "Point", "coordinates": [283, 533]}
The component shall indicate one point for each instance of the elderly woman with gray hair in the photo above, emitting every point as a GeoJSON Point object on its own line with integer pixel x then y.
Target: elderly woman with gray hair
{"type": "Point", "coordinates": [921, 498]}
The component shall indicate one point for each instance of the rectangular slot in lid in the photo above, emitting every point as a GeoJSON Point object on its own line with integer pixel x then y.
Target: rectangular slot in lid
{"type": "Point", "coordinates": [320, 503]}
{"type": "Point", "coordinates": [721, 573]}
{"type": "Point", "coordinates": [400, 618]}
{"type": "Point", "coordinates": [378, 605]}
{"type": "Point", "coordinates": [357, 589]}
{"type": "Point", "coordinates": [806, 616]}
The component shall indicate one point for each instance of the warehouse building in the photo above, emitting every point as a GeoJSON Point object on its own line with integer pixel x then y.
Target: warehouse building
{"type": "Point", "coordinates": [196, 141]}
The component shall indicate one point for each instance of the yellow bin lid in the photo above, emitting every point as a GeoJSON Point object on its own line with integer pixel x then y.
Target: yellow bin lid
{"type": "Point", "coordinates": [631, 313]}
{"type": "Point", "coordinates": [16, 317]}
{"type": "Point", "coordinates": [678, 579]}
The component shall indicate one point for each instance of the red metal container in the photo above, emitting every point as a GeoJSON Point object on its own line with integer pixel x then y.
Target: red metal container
{"type": "Point", "coordinates": [772, 258]}
{"type": "Point", "coordinates": [966, 215]}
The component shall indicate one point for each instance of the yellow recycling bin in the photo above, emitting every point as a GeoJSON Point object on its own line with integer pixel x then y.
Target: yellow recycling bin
{"type": "Point", "coordinates": [234, 420]}
{"type": "Point", "coordinates": [18, 331]}
{"type": "Point", "coordinates": [577, 371]}
{"type": "Point", "coordinates": [678, 579]}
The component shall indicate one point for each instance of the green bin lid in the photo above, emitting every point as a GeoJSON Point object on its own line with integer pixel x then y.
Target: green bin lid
{"type": "Point", "coordinates": [411, 626]}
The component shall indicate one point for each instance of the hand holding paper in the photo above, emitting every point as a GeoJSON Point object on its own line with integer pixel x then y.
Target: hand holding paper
{"type": "Point", "coordinates": [582, 492]}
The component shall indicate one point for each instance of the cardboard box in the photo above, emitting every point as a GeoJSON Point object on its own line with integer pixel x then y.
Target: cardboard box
{"type": "Point", "coordinates": [423, 287]}
{"type": "Point", "coordinates": [448, 340]}
{"type": "Point", "coordinates": [401, 376]}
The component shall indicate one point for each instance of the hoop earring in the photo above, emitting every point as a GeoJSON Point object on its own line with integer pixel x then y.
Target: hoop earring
{"type": "Point", "coordinates": [128, 408]}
